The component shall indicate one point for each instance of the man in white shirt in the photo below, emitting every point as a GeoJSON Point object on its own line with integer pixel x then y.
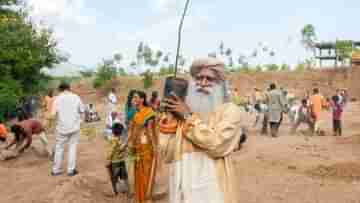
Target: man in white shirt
{"type": "Point", "coordinates": [68, 108]}
{"type": "Point", "coordinates": [113, 118]}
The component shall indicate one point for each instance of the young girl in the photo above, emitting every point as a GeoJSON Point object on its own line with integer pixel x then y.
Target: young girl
{"type": "Point", "coordinates": [337, 109]}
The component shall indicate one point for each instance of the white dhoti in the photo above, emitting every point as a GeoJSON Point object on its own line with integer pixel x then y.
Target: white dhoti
{"type": "Point", "coordinates": [194, 180]}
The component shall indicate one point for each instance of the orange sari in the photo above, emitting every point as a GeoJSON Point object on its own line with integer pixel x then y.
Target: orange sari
{"type": "Point", "coordinates": [143, 138]}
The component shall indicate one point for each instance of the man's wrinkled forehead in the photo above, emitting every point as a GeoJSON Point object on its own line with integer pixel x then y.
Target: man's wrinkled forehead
{"type": "Point", "coordinates": [206, 72]}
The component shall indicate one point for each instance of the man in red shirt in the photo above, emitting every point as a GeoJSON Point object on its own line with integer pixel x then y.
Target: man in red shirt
{"type": "Point", "coordinates": [24, 131]}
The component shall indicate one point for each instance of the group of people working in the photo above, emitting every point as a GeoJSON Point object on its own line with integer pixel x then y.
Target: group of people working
{"type": "Point", "coordinates": [62, 112]}
{"type": "Point", "coordinates": [274, 103]}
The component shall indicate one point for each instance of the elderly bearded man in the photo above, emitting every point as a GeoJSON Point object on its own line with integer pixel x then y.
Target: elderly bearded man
{"type": "Point", "coordinates": [202, 170]}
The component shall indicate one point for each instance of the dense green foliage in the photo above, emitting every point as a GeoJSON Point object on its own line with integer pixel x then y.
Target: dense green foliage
{"type": "Point", "coordinates": [344, 48]}
{"type": "Point", "coordinates": [10, 91]}
{"type": "Point", "coordinates": [24, 50]}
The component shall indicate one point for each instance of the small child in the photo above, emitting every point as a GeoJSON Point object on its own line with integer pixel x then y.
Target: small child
{"type": "Point", "coordinates": [116, 158]}
{"type": "Point", "coordinates": [337, 109]}
{"type": "Point", "coordinates": [302, 115]}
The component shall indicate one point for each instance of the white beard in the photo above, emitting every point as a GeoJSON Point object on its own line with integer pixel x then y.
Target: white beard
{"type": "Point", "coordinates": [202, 103]}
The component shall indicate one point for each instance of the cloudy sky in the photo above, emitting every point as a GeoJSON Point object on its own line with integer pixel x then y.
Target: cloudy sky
{"type": "Point", "coordinates": [90, 30]}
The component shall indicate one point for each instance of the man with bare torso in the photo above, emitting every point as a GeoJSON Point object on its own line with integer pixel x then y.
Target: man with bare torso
{"type": "Point", "coordinates": [24, 132]}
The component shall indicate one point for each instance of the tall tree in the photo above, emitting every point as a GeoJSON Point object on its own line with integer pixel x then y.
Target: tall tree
{"type": "Point", "coordinates": [221, 48]}
{"type": "Point", "coordinates": [255, 53]}
{"type": "Point", "coordinates": [139, 53]}
{"type": "Point", "coordinates": [166, 58]}
{"type": "Point", "coordinates": [228, 52]}
{"type": "Point", "coordinates": [241, 59]}
{"type": "Point", "coordinates": [231, 62]}
{"type": "Point", "coordinates": [308, 36]}
{"type": "Point", "coordinates": [118, 57]}
{"type": "Point", "coordinates": [159, 54]}
{"type": "Point", "coordinates": [147, 55]}
{"type": "Point", "coordinates": [24, 50]}
{"type": "Point", "coordinates": [272, 53]}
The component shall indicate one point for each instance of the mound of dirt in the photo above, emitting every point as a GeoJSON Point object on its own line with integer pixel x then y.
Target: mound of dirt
{"type": "Point", "coordinates": [345, 171]}
{"type": "Point", "coordinates": [7, 154]}
{"type": "Point", "coordinates": [81, 188]}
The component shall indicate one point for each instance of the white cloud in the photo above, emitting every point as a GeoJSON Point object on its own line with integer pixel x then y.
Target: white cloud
{"type": "Point", "coordinates": [63, 11]}
{"type": "Point", "coordinates": [167, 5]}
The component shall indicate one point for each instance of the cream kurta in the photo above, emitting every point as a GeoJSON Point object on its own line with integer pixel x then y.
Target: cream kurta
{"type": "Point", "coordinates": [203, 171]}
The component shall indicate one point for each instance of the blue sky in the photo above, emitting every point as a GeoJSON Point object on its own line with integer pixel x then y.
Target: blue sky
{"type": "Point", "coordinates": [90, 30]}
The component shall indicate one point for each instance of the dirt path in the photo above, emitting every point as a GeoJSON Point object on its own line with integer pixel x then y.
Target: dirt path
{"type": "Point", "coordinates": [285, 169]}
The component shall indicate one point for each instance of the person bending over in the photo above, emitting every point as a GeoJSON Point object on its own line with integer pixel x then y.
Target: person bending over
{"type": "Point", "coordinates": [24, 132]}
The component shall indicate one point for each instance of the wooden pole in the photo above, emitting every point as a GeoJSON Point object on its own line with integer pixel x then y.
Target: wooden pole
{"type": "Point", "coordinates": [179, 36]}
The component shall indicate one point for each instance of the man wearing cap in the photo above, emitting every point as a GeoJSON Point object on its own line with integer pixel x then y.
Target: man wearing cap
{"type": "Point", "coordinates": [67, 108]}
{"type": "Point", "coordinates": [202, 170]}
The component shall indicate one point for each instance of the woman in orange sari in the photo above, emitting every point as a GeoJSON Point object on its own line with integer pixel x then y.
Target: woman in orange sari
{"type": "Point", "coordinates": [143, 139]}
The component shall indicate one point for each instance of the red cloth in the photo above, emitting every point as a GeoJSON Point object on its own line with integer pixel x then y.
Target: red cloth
{"type": "Point", "coordinates": [337, 111]}
{"type": "Point", "coordinates": [3, 131]}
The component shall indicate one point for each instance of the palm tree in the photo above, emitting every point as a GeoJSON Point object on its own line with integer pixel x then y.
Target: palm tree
{"type": "Point", "coordinates": [228, 52]}
{"type": "Point", "coordinates": [255, 53]}
{"type": "Point", "coordinates": [272, 53]}
{"type": "Point", "coordinates": [231, 62]}
{"type": "Point", "coordinates": [147, 55]}
{"type": "Point", "coordinates": [118, 57]}
{"type": "Point", "coordinates": [308, 35]}
{"type": "Point", "coordinates": [140, 48]}
{"type": "Point", "coordinates": [182, 60]}
{"type": "Point", "coordinates": [159, 54]}
{"type": "Point", "coordinates": [221, 48]}
{"type": "Point", "coordinates": [241, 59]}
{"type": "Point", "coordinates": [166, 58]}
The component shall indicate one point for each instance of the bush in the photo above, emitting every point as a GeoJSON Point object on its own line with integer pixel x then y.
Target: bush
{"type": "Point", "coordinates": [258, 68]}
{"type": "Point", "coordinates": [300, 67]}
{"type": "Point", "coordinates": [272, 67]}
{"type": "Point", "coordinates": [285, 67]}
